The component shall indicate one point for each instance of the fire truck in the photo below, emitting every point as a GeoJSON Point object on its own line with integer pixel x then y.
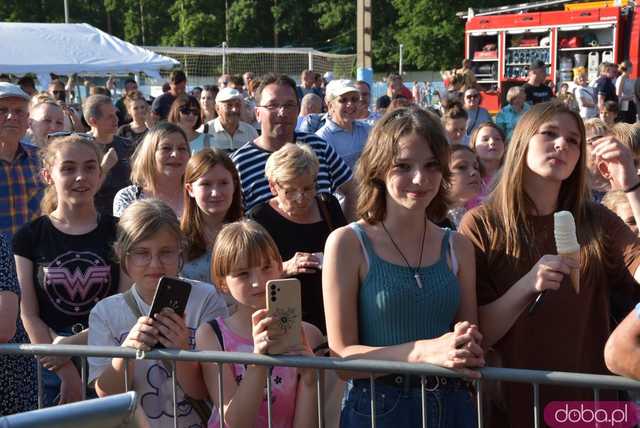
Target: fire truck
{"type": "Point", "coordinates": [502, 42]}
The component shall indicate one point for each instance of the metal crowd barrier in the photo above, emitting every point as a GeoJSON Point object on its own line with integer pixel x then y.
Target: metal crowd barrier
{"type": "Point", "coordinates": [372, 367]}
{"type": "Point", "coordinates": [116, 411]}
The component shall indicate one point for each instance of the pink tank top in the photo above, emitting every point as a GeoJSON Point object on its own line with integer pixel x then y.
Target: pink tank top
{"type": "Point", "coordinates": [284, 383]}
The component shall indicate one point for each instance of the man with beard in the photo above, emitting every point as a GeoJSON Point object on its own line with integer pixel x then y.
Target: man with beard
{"type": "Point", "coordinates": [227, 131]}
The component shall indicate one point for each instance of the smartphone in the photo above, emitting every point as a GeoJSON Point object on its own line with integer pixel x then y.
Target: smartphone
{"type": "Point", "coordinates": [170, 293]}
{"type": "Point", "coordinates": [284, 304]}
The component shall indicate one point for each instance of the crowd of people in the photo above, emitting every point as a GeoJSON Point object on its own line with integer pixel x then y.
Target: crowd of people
{"type": "Point", "coordinates": [418, 235]}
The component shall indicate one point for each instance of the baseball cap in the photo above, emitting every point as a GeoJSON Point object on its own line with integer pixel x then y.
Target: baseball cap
{"type": "Point", "coordinates": [338, 87]}
{"type": "Point", "coordinates": [228, 94]}
{"type": "Point", "coordinates": [9, 90]}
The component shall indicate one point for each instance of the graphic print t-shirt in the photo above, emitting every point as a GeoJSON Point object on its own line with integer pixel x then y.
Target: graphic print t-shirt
{"type": "Point", "coordinates": [71, 273]}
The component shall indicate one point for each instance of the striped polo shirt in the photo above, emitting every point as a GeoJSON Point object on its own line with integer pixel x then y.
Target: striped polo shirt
{"type": "Point", "coordinates": [250, 161]}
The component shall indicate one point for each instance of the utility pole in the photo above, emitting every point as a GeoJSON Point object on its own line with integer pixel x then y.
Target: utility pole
{"type": "Point", "coordinates": [140, 2]}
{"type": "Point", "coordinates": [363, 31]}
{"type": "Point", "coordinates": [400, 59]}
{"type": "Point", "coordinates": [66, 12]}
{"type": "Point", "coordinates": [226, 20]}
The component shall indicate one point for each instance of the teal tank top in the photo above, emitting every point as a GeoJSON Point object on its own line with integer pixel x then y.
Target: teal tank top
{"type": "Point", "coordinates": [392, 309]}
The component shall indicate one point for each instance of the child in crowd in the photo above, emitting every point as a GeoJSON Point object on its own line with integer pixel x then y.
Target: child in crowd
{"type": "Point", "coordinates": [517, 258]}
{"type": "Point", "coordinates": [213, 197]}
{"type": "Point", "coordinates": [157, 169]}
{"type": "Point", "coordinates": [64, 260]}
{"type": "Point", "coordinates": [595, 129]}
{"type": "Point", "coordinates": [616, 201]}
{"type": "Point", "coordinates": [609, 113]}
{"type": "Point", "coordinates": [149, 246]}
{"type": "Point", "coordinates": [466, 181]}
{"type": "Point", "coordinates": [488, 142]}
{"type": "Point", "coordinates": [397, 287]}
{"type": "Point", "coordinates": [455, 123]}
{"type": "Point", "coordinates": [245, 258]}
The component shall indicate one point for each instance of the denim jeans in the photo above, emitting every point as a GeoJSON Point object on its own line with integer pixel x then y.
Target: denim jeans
{"type": "Point", "coordinates": [448, 406]}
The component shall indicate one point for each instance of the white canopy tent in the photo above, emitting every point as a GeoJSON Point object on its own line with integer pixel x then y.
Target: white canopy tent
{"type": "Point", "coordinates": [72, 48]}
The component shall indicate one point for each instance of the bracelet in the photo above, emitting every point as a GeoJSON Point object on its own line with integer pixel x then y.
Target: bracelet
{"type": "Point", "coordinates": [632, 188]}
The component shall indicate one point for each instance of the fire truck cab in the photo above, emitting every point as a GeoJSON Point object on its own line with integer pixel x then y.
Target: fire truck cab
{"type": "Point", "coordinates": [502, 42]}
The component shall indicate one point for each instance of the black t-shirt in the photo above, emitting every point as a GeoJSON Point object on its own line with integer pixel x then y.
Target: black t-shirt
{"type": "Point", "coordinates": [292, 237]}
{"type": "Point", "coordinates": [162, 105]}
{"type": "Point", "coordinates": [605, 87]}
{"type": "Point", "coordinates": [537, 94]}
{"type": "Point", "coordinates": [118, 177]}
{"type": "Point", "coordinates": [71, 273]}
{"type": "Point", "coordinates": [125, 131]}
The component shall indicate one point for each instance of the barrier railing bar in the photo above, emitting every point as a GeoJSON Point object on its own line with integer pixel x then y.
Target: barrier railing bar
{"type": "Point", "coordinates": [83, 377]}
{"type": "Point", "coordinates": [479, 402]}
{"type": "Point", "coordinates": [40, 386]}
{"type": "Point", "coordinates": [584, 380]}
{"type": "Point", "coordinates": [372, 386]}
{"type": "Point", "coordinates": [126, 375]}
{"type": "Point", "coordinates": [596, 394]}
{"type": "Point", "coordinates": [320, 395]}
{"type": "Point", "coordinates": [536, 405]}
{"type": "Point", "coordinates": [269, 415]}
{"type": "Point", "coordinates": [220, 395]}
{"type": "Point", "coordinates": [423, 401]}
{"type": "Point", "coordinates": [173, 392]}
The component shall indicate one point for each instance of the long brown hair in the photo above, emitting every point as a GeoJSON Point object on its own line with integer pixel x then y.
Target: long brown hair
{"type": "Point", "coordinates": [382, 148]}
{"type": "Point", "coordinates": [510, 208]}
{"type": "Point", "coordinates": [193, 220]}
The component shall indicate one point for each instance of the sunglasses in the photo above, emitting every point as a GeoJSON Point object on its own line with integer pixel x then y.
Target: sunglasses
{"type": "Point", "coordinates": [187, 110]}
{"type": "Point", "coordinates": [472, 96]}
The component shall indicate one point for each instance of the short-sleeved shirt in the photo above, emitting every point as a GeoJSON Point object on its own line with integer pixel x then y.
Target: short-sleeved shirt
{"type": "Point", "coordinates": [568, 330]}
{"type": "Point", "coordinates": [126, 197]}
{"type": "Point", "coordinates": [221, 139]}
{"type": "Point", "coordinates": [21, 189]}
{"type": "Point", "coordinates": [606, 88]}
{"type": "Point", "coordinates": [537, 94]}
{"type": "Point", "coordinates": [71, 273]}
{"type": "Point", "coordinates": [348, 144]}
{"type": "Point", "coordinates": [18, 381]}
{"type": "Point", "coordinates": [162, 105]}
{"type": "Point", "coordinates": [109, 325]}
{"type": "Point", "coordinates": [118, 177]}
{"type": "Point", "coordinates": [250, 161]}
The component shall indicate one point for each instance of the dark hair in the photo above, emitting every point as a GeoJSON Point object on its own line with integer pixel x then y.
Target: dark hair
{"type": "Point", "coordinates": [383, 102]}
{"type": "Point", "coordinates": [211, 88]}
{"type": "Point", "coordinates": [455, 110]}
{"type": "Point", "coordinates": [363, 82]}
{"type": "Point", "coordinates": [126, 82]}
{"type": "Point", "coordinates": [237, 80]}
{"type": "Point", "coordinates": [177, 76]}
{"type": "Point", "coordinates": [27, 81]}
{"type": "Point", "coordinates": [181, 101]}
{"type": "Point", "coordinates": [276, 79]}
{"type": "Point", "coordinates": [611, 106]}
{"type": "Point", "coordinates": [196, 88]}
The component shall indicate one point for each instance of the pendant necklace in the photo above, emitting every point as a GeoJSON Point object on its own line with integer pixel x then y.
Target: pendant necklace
{"type": "Point", "coordinates": [416, 273]}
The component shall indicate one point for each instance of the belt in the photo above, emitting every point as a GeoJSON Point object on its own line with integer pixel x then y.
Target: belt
{"type": "Point", "coordinates": [431, 383]}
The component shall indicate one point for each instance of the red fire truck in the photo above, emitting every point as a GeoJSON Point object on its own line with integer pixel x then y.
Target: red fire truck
{"type": "Point", "coordinates": [502, 42]}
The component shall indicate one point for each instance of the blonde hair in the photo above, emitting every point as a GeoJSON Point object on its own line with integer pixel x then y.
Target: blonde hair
{"type": "Point", "coordinates": [243, 241]}
{"type": "Point", "coordinates": [513, 93]}
{"type": "Point", "coordinates": [48, 154]}
{"type": "Point", "coordinates": [613, 198]}
{"type": "Point", "coordinates": [577, 72]}
{"type": "Point", "coordinates": [381, 150]}
{"type": "Point", "coordinates": [193, 222]}
{"type": "Point", "coordinates": [141, 221]}
{"type": "Point", "coordinates": [629, 135]}
{"type": "Point", "coordinates": [596, 126]}
{"type": "Point", "coordinates": [509, 208]}
{"type": "Point", "coordinates": [290, 162]}
{"type": "Point", "coordinates": [143, 160]}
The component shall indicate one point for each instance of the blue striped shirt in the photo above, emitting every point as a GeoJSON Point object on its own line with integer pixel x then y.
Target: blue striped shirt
{"type": "Point", "coordinates": [250, 161]}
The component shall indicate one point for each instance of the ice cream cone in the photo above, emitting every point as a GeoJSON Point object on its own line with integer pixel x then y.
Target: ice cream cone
{"type": "Point", "coordinates": [575, 273]}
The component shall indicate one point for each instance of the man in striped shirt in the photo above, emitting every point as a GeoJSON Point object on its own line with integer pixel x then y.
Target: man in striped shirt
{"type": "Point", "coordinates": [20, 187]}
{"type": "Point", "coordinates": [277, 110]}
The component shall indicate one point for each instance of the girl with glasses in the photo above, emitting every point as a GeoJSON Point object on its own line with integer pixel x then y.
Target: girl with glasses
{"type": "Point", "coordinates": [187, 114]}
{"type": "Point", "coordinates": [150, 245]}
{"type": "Point", "coordinates": [64, 260]}
{"type": "Point", "coordinates": [157, 169]}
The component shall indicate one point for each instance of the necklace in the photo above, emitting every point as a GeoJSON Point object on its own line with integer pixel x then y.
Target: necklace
{"type": "Point", "coordinates": [416, 273]}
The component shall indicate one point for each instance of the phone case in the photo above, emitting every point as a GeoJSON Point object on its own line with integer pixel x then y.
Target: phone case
{"type": "Point", "coordinates": [170, 293]}
{"type": "Point", "coordinates": [284, 304]}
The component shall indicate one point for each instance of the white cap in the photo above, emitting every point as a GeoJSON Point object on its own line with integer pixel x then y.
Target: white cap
{"type": "Point", "coordinates": [338, 87]}
{"type": "Point", "coordinates": [9, 90]}
{"type": "Point", "coordinates": [228, 94]}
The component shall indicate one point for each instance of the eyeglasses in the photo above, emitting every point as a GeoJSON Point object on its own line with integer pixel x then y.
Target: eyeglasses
{"type": "Point", "coordinates": [345, 100]}
{"type": "Point", "coordinates": [19, 113]}
{"type": "Point", "coordinates": [293, 193]}
{"type": "Point", "coordinates": [141, 257]}
{"type": "Point", "coordinates": [286, 108]}
{"type": "Point", "coordinates": [472, 96]}
{"type": "Point", "coordinates": [187, 110]}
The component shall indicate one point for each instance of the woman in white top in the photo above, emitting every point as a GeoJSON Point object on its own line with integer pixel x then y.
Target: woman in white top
{"type": "Point", "coordinates": [624, 90]}
{"type": "Point", "coordinates": [584, 94]}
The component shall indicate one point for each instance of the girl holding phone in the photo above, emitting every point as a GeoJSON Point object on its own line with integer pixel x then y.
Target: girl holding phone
{"type": "Point", "coordinates": [245, 258]}
{"type": "Point", "coordinates": [149, 246]}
